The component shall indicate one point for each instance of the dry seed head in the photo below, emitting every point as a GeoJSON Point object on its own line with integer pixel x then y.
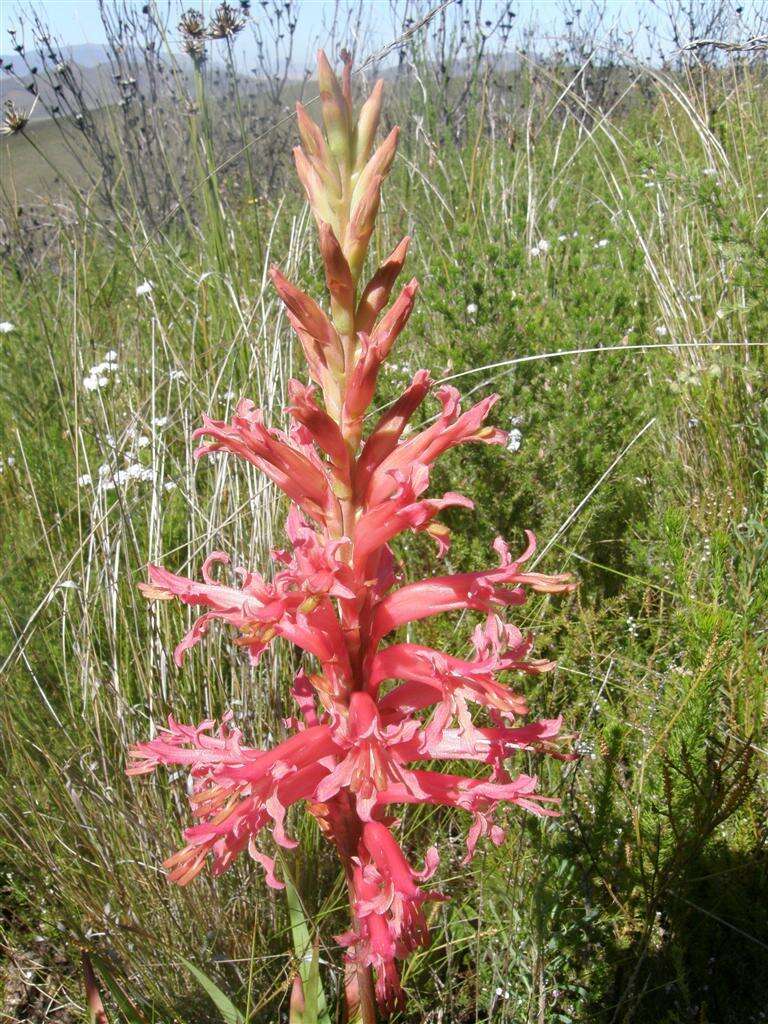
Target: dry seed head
{"type": "Point", "coordinates": [225, 23]}
{"type": "Point", "coordinates": [195, 48]}
{"type": "Point", "coordinates": [192, 24]}
{"type": "Point", "coordinates": [14, 120]}
{"type": "Point", "coordinates": [193, 34]}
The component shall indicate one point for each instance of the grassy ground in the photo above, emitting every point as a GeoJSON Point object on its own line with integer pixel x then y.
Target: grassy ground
{"type": "Point", "coordinates": [641, 467]}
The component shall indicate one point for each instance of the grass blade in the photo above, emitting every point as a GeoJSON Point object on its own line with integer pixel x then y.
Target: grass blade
{"type": "Point", "coordinates": [229, 1012]}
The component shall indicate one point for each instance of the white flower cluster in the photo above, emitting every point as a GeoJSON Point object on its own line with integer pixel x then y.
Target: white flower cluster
{"type": "Point", "coordinates": [108, 477]}
{"type": "Point", "coordinates": [650, 180]}
{"type": "Point", "coordinates": [144, 288]}
{"type": "Point", "coordinates": [10, 462]}
{"type": "Point", "coordinates": [398, 368]}
{"type": "Point", "coordinates": [6, 327]}
{"type": "Point", "coordinates": [542, 247]}
{"type": "Point", "coordinates": [514, 440]}
{"type": "Point", "coordinates": [515, 435]}
{"type": "Point", "coordinates": [99, 375]}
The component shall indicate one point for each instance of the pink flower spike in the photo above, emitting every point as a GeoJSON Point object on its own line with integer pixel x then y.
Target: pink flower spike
{"type": "Point", "coordinates": [372, 725]}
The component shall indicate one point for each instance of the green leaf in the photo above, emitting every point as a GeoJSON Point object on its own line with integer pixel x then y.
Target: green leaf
{"type": "Point", "coordinates": [128, 1009]}
{"type": "Point", "coordinates": [312, 988]}
{"type": "Point", "coordinates": [316, 1011]}
{"type": "Point", "coordinates": [229, 1012]}
{"type": "Point", "coordinates": [311, 992]}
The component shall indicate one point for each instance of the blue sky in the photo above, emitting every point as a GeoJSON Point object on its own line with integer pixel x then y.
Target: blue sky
{"type": "Point", "coordinates": [78, 21]}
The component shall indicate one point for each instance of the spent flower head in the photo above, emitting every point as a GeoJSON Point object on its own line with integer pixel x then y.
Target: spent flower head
{"type": "Point", "coordinates": [13, 120]}
{"type": "Point", "coordinates": [376, 714]}
{"type": "Point", "coordinates": [193, 31]}
{"type": "Point", "coordinates": [226, 22]}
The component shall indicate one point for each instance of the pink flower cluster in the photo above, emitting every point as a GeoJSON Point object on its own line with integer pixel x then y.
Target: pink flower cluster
{"type": "Point", "coordinates": [370, 717]}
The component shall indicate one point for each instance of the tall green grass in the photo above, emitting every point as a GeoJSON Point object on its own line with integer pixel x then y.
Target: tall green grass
{"type": "Point", "coordinates": [644, 466]}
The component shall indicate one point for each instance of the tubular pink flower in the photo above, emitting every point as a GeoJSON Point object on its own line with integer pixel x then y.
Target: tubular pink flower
{"type": "Point", "coordinates": [237, 791]}
{"type": "Point", "coordinates": [304, 481]}
{"type": "Point", "coordinates": [373, 722]}
{"type": "Point", "coordinates": [402, 511]}
{"type": "Point", "coordinates": [294, 606]}
{"type": "Point", "coordinates": [376, 293]}
{"type": "Point", "coordinates": [372, 761]}
{"type": "Point", "coordinates": [479, 591]}
{"type": "Point", "coordinates": [374, 349]}
{"type": "Point", "coordinates": [385, 435]}
{"type": "Point", "coordinates": [479, 797]}
{"type": "Point", "coordinates": [451, 428]}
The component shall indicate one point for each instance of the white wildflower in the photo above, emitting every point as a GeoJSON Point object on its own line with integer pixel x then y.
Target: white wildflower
{"type": "Point", "coordinates": [471, 309]}
{"type": "Point", "coordinates": [514, 440]}
{"type": "Point", "coordinates": [662, 331]}
{"type": "Point", "coordinates": [136, 471]}
{"type": "Point", "coordinates": [143, 441]}
{"type": "Point", "coordinates": [177, 375]}
{"type": "Point", "coordinates": [144, 288]}
{"type": "Point", "coordinates": [6, 327]}
{"type": "Point", "coordinates": [84, 480]}
{"type": "Point", "coordinates": [160, 422]}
